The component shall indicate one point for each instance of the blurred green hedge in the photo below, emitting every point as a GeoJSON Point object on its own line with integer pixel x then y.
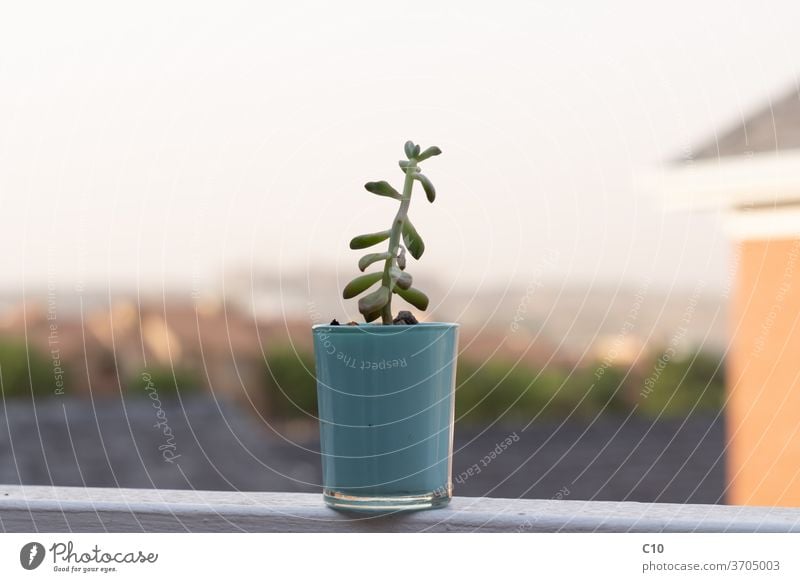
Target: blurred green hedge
{"type": "Point", "coordinates": [164, 383]}
{"type": "Point", "coordinates": [677, 387]}
{"type": "Point", "coordinates": [290, 384]}
{"type": "Point", "coordinates": [26, 372]}
{"type": "Point", "coordinates": [486, 391]}
{"type": "Point", "coordinates": [496, 388]}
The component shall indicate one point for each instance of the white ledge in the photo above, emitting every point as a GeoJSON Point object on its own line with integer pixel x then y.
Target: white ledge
{"type": "Point", "coordinates": [762, 179]}
{"type": "Point", "coordinates": [73, 509]}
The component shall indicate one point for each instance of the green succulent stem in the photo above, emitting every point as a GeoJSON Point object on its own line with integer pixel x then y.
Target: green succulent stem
{"type": "Point", "coordinates": [395, 237]}
{"type": "Point", "coordinates": [402, 237]}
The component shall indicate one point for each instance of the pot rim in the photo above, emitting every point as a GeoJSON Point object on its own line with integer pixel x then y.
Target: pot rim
{"type": "Point", "coordinates": [380, 328]}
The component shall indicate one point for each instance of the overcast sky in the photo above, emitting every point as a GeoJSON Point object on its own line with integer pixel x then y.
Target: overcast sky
{"type": "Point", "coordinates": [171, 143]}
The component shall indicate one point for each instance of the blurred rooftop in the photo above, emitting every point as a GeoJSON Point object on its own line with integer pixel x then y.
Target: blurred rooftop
{"type": "Point", "coordinates": [113, 443]}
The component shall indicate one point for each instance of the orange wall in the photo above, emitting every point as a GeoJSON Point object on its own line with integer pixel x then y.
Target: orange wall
{"type": "Point", "coordinates": [763, 413]}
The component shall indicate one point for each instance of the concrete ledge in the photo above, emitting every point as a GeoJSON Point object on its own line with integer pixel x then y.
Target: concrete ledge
{"type": "Point", "coordinates": [73, 509]}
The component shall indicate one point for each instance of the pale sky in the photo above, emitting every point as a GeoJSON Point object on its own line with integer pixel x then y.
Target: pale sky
{"type": "Point", "coordinates": [170, 143]}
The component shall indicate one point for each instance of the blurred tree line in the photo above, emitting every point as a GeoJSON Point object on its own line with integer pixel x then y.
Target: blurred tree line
{"type": "Point", "coordinates": [26, 372]}
{"type": "Point", "coordinates": [498, 389]}
{"type": "Point", "coordinates": [486, 390]}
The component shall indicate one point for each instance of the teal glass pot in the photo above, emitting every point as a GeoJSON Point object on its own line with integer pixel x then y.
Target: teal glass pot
{"type": "Point", "coordinates": [386, 404]}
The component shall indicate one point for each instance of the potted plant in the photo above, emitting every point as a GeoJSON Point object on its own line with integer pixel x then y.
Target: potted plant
{"type": "Point", "coordinates": [386, 389]}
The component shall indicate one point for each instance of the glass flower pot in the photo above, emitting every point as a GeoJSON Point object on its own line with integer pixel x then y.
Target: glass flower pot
{"type": "Point", "coordinates": [386, 405]}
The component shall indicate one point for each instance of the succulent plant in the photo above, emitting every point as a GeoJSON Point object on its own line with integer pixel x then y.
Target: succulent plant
{"type": "Point", "coordinates": [403, 238]}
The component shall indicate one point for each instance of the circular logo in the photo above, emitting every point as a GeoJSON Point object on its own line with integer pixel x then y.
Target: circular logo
{"type": "Point", "coordinates": [31, 555]}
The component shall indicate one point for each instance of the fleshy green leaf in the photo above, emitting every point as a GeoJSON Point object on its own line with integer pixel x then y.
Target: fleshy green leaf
{"type": "Point", "coordinates": [373, 302]}
{"type": "Point", "coordinates": [412, 240]}
{"type": "Point", "coordinates": [409, 148]}
{"type": "Point", "coordinates": [400, 278]}
{"type": "Point", "coordinates": [429, 153]}
{"type": "Point", "coordinates": [382, 188]}
{"type": "Point", "coordinates": [361, 283]}
{"type": "Point", "coordinates": [430, 191]}
{"type": "Point", "coordinates": [372, 316]}
{"type": "Point", "coordinates": [364, 241]}
{"type": "Point", "coordinates": [406, 166]}
{"type": "Point", "coordinates": [405, 280]}
{"type": "Point", "coordinates": [367, 260]}
{"type": "Point", "coordinates": [401, 258]}
{"type": "Point", "coordinates": [413, 296]}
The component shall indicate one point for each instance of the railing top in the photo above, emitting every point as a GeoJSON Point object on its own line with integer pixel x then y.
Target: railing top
{"type": "Point", "coordinates": [73, 509]}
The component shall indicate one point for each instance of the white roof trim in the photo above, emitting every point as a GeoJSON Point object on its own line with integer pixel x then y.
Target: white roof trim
{"type": "Point", "coordinates": [760, 179]}
{"type": "Point", "coordinates": [763, 224]}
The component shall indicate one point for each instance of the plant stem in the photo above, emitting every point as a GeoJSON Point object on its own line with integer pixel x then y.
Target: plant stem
{"type": "Point", "coordinates": [394, 239]}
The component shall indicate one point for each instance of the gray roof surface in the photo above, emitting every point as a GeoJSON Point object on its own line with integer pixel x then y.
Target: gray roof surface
{"type": "Point", "coordinates": [225, 448]}
{"type": "Point", "coordinates": [775, 127]}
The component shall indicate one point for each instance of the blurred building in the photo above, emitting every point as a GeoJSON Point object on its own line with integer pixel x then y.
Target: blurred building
{"type": "Point", "coordinates": [751, 174]}
{"type": "Point", "coordinates": [105, 347]}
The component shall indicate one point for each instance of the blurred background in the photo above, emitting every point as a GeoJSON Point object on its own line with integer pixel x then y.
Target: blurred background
{"type": "Point", "coordinates": [616, 229]}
